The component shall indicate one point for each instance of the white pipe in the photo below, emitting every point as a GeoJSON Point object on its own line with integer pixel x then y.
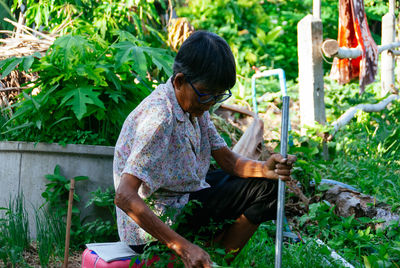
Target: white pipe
{"type": "Point", "coordinates": [334, 255]}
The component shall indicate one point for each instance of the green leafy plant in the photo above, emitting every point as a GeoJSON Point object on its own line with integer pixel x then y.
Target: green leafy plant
{"type": "Point", "coordinates": [101, 230]}
{"type": "Point", "coordinates": [260, 252]}
{"type": "Point", "coordinates": [14, 229]}
{"type": "Point", "coordinates": [355, 239]}
{"type": "Point", "coordinates": [82, 230]}
{"type": "Point", "coordinates": [85, 93]}
{"type": "Point", "coordinates": [56, 196]}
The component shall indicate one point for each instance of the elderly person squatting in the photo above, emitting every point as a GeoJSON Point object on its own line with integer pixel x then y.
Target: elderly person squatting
{"type": "Point", "coordinates": [163, 155]}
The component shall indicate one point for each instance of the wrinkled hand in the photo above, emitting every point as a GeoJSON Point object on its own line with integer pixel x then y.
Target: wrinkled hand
{"type": "Point", "coordinates": [278, 167]}
{"type": "Point", "coordinates": [193, 256]}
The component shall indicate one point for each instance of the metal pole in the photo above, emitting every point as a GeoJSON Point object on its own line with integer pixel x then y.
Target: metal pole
{"type": "Point", "coordinates": [281, 184]}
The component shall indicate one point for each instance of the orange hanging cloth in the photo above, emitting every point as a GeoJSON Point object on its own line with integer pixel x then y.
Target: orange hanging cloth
{"type": "Point", "coordinates": [354, 32]}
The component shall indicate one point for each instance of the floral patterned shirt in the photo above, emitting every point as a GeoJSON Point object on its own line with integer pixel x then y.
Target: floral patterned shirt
{"type": "Point", "coordinates": [161, 146]}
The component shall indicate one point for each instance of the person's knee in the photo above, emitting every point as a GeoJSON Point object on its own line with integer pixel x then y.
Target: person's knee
{"type": "Point", "coordinates": [259, 213]}
{"type": "Point", "coordinates": [263, 207]}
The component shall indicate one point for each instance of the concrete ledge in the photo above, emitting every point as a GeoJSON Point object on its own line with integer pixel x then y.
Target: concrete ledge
{"type": "Point", "coordinates": [23, 166]}
{"type": "Point", "coordinates": [95, 150]}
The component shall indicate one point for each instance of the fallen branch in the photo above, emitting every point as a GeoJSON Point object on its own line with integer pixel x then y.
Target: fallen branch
{"type": "Point", "coordinates": [350, 203]}
{"type": "Point", "coordinates": [345, 118]}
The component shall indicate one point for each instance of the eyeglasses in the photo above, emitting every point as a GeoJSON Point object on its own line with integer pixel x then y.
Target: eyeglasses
{"type": "Point", "coordinates": [205, 98]}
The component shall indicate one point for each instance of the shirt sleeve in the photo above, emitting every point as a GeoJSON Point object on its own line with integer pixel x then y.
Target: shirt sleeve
{"type": "Point", "coordinates": [216, 141]}
{"type": "Point", "coordinates": [149, 147]}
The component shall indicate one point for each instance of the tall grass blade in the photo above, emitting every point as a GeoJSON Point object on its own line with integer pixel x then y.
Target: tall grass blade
{"type": "Point", "coordinates": [14, 227]}
{"type": "Point", "coordinates": [50, 233]}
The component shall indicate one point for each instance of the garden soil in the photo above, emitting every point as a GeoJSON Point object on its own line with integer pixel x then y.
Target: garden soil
{"type": "Point", "coordinates": [32, 259]}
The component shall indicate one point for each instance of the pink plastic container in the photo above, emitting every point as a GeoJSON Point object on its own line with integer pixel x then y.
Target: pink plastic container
{"type": "Point", "coordinates": [91, 260]}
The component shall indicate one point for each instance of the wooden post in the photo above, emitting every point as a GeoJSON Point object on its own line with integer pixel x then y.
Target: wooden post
{"type": "Point", "coordinates": [69, 216]}
{"type": "Point", "coordinates": [311, 73]}
{"type": "Point", "coordinates": [388, 36]}
{"type": "Point", "coordinates": [317, 9]}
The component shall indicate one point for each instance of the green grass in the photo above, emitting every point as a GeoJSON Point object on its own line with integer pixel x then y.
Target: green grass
{"type": "Point", "coordinates": [50, 234]}
{"type": "Point", "coordinates": [14, 231]}
{"type": "Point", "coordinates": [260, 252]}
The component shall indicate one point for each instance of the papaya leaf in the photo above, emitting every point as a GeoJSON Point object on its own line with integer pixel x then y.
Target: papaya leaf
{"type": "Point", "coordinates": [140, 63]}
{"type": "Point", "coordinates": [128, 52]}
{"type": "Point", "coordinates": [37, 54]}
{"type": "Point", "coordinates": [80, 97]}
{"type": "Point", "coordinates": [161, 59]}
{"type": "Point", "coordinates": [116, 96]}
{"type": "Point", "coordinates": [70, 49]}
{"type": "Point", "coordinates": [127, 36]}
{"type": "Point", "coordinates": [114, 79]}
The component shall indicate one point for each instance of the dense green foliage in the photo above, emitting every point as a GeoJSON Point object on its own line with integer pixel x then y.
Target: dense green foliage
{"type": "Point", "coordinates": [105, 63]}
{"type": "Point", "coordinates": [365, 153]}
{"type": "Point", "coordinates": [86, 87]}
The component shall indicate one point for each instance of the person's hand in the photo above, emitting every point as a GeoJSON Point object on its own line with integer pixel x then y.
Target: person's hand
{"type": "Point", "coordinates": [278, 167]}
{"type": "Point", "coordinates": [192, 255]}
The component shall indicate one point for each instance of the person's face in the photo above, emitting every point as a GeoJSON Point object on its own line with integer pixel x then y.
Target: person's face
{"type": "Point", "coordinates": [190, 96]}
{"type": "Point", "coordinates": [198, 106]}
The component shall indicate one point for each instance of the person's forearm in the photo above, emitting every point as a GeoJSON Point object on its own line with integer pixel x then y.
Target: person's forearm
{"type": "Point", "coordinates": [137, 209]}
{"type": "Point", "coordinates": [246, 168]}
{"type": "Point", "coordinates": [238, 165]}
{"type": "Point", "coordinates": [127, 199]}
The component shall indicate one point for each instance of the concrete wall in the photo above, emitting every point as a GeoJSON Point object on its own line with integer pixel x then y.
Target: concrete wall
{"type": "Point", "coordinates": [23, 166]}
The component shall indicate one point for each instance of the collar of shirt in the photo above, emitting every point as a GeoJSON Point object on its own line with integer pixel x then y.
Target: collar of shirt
{"type": "Point", "coordinates": [179, 113]}
{"type": "Point", "coordinates": [192, 127]}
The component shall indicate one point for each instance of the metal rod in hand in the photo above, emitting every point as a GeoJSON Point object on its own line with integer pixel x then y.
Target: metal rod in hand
{"type": "Point", "coordinates": [69, 215]}
{"type": "Point", "coordinates": [281, 184]}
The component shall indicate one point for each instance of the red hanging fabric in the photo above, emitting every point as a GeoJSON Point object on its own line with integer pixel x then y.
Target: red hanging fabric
{"type": "Point", "coordinates": [354, 32]}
